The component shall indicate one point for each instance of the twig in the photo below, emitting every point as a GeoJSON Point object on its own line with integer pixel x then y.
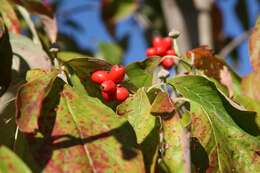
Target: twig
{"type": "Point", "coordinates": [174, 19]}
{"type": "Point", "coordinates": [234, 43]}
{"type": "Point", "coordinates": [204, 21]}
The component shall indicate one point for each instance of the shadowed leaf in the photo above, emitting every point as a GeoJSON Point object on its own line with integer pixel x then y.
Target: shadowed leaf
{"type": "Point", "coordinates": [6, 58]}
{"type": "Point", "coordinates": [236, 150]}
{"type": "Point", "coordinates": [250, 104]}
{"type": "Point", "coordinates": [29, 100]}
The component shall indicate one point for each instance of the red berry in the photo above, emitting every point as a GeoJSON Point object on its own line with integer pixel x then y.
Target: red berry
{"type": "Point", "coordinates": [167, 63]}
{"type": "Point", "coordinates": [99, 76]}
{"type": "Point", "coordinates": [161, 51]}
{"type": "Point", "coordinates": [121, 93]}
{"type": "Point", "coordinates": [167, 43]}
{"type": "Point", "coordinates": [157, 41]}
{"type": "Point", "coordinates": [151, 52]}
{"type": "Point", "coordinates": [189, 53]}
{"type": "Point", "coordinates": [107, 96]}
{"type": "Point", "coordinates": [117, 73]}
{"type": "Point", "coordinates": [171, 52]}
{"type": "Point", "coordinates": [108, 86]}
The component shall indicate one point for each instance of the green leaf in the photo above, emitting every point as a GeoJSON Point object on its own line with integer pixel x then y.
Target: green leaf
{"type": "Point", "coordinates": [6, 58]}
{"type": "Point", "coordinates": [254, 46]}
{"type": "Point", "coordinates": [111, 52]}
{"type": "Point", "coordinates": [176, 138]}
{"type": "Point", "coordinates": [10, 163]}
{"type": "Point", "coordinates": [141, 73]}
{"type": "Point", "coordinates": [80, 133]}
{"type": "Point", "coordinates": [137, 109]}
{"type": "Point", "coordinates": [236, 150]}
{"type": "Point", "coordinates": [76, 84]}
{"type": "Point", "coordinates": [83, 65]}
{"type": "Point", "coordinates": [29, 100]}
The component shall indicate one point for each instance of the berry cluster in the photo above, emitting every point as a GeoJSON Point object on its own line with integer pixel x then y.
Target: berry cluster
{"type": "Point", "coordinates": [109, 82]}
{"type": "Point", "coordinates": [162, 47]}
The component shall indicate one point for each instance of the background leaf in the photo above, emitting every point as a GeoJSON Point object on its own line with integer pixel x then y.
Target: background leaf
{"type": "Point", "coordinates": [236, 150]}
{"type": "Point", "coordinates": [115, 10]}
{"type": "Point", "coordinates": [254, 46]}
{"type": "Point", "coordinates": [10, 163]}
{"type": "Point", "coordinates": [34, 6]}
{"type": "Point", "coordinates": [9, 16]}
{"type": "Point", "coordinates": [26, 50]}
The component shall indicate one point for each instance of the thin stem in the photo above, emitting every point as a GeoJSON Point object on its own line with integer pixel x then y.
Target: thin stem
{"type": "Point", "coordinates": [234, 43]}
{"type": "Point", "coordinates": [15, 137]}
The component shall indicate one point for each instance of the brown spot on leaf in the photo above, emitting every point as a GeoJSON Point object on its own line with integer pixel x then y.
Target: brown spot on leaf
{"type": "Point", "coordinates": [205, 60]}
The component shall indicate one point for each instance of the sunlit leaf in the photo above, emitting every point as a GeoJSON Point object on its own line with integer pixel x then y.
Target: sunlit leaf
{"type": "Point", "coordinates": [111, 52]}
{"type": "Point", "coordinates": [250, 85]}
{"type": "Point", "coordinates": [237, 150]}
{"type": "Point", "coordinates": [137, 109]}
{"type": "Point", "coordinates": [79, 133]}
{"type": "Point", "coordinates": [141, 73]}
{"type": "Point", "coordinates": [10, 163]}
{"type": "Point", "coordinates": [254, 46]}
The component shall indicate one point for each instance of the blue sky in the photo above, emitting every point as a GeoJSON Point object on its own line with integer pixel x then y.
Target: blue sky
{"type": "Point", "coordinates": [90, 29]}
